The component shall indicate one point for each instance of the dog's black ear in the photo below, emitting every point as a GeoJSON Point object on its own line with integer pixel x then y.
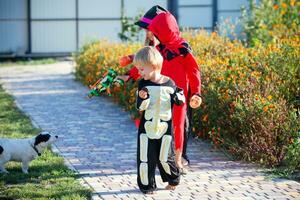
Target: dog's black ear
{"type": "Point", "coordinates": [1, 149]}
{"type": "Point", "coordinates": [41, 138]}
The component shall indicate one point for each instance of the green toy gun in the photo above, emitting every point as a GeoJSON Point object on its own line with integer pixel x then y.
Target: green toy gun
{"type": "Point", "coordinates": [104, 83]}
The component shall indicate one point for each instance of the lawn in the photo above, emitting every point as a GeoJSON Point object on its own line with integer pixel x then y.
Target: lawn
{"type": "Point", "coordinates": [48, 177]}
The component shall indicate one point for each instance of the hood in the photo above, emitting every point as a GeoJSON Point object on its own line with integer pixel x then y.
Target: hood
{"type": "Point", "coordinates": [165, 28]}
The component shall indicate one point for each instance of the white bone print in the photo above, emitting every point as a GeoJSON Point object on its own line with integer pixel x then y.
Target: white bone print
{"type": "Point", "coordinates": [143, 147]}
{"type": "Point", "coordinates": [164, 152]}
{"type": "Point", "coordinates": [159, 109]}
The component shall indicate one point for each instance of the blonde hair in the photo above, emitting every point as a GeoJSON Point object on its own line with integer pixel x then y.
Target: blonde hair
{"type": "Point", "coordinates": [148, 56]}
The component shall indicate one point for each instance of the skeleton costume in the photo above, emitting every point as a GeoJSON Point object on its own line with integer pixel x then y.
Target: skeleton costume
{"type": "Point", "coordinates": [155, 134]}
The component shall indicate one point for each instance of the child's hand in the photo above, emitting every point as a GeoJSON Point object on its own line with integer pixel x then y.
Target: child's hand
{"type": "Point", "coordinates": [143, 94]}
{"type": "Point", "coordinates": [195, 101]}
{"type": "Point", "coordinates": [123, 77]}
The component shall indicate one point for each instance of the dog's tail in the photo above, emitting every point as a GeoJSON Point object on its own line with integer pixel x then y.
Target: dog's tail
{"type": "Point", "coordinates": [1, 149]}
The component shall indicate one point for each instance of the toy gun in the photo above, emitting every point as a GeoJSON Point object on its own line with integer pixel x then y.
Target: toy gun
{"type": "Point", "coordinates": [104, 83]}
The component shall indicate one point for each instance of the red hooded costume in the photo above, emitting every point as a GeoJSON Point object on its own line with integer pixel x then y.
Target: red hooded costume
{"type": "Point", "coordinates": [179, 64]}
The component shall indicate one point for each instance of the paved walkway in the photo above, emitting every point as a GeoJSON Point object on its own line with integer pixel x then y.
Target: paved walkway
{"type": "Point", "coordinates": [98, 140]}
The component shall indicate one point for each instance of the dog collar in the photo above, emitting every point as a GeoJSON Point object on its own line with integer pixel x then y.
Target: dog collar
{"type": "Point", "coordinates": [35, 149]}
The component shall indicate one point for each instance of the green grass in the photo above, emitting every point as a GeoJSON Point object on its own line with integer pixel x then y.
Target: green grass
{"type": "Point", "coordinates": [27, 62]}
{"type": "Point", "coordinates": [281, 172]}
{"type": "Point", "coordinates": [48, 177]}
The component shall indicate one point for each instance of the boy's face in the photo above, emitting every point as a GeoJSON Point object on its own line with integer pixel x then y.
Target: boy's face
{"type": "Point", "coordinates": [146, 71]}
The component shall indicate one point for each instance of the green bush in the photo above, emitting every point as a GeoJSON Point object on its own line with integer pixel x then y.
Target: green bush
{"type": "Point", "coordinates": [270, 20]}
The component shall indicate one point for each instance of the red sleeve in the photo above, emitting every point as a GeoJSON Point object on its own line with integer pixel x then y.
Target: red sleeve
{"type": "Point", "coordinates": [193, 74]}
{"type": "Point", "coordinates": [126, 60]}
{"type": "Point", "coordinates": [134, 73]}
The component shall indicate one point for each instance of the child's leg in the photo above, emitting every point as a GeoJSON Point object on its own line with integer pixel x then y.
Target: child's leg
{"type": "Point", "coordinates": [187, 133]}
{"type": "Point", "coordinates": [167, 166]}
{"type": "Point", "coordinates": [146, 163]}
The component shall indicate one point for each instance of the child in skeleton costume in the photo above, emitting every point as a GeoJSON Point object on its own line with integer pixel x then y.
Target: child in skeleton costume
{"type": "Point", "coordinates": [156, 96]}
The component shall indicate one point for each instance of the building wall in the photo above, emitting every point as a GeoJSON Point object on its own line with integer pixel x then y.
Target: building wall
{"type": "Point", "coordinates": [53, 26]}
{"type": "Point", "coordinates": [200, 13]}
{"type": "Point", "coordinates": [195, 13]}
{"type": "Point", "coordinates": [59, 26]}
{"type": "Point", "coordinates": [109, 25]}
{"type": "Point", "coordinates": [230, 9]}
{"type": "Point", "coordinates": [13, 26]}
{"type": "Point", "coordinates": [98, 20]}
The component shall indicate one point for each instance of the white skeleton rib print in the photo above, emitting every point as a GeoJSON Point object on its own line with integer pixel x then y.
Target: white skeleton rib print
{"type": "Point", "coordinates": [158, 112]}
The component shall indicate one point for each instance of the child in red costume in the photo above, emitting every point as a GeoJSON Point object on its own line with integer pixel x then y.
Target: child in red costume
{"type": "Point", "coordinates": [179, 64]}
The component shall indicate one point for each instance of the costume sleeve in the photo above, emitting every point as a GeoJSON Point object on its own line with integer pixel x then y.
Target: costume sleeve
{"type": "Point", "coordinates": [193, 73]}
{"type": "Point", "coordinates": [142, 104]}
{"type": "Point", "coordinates": [133, 73]}
{"type": "Point", "coordinates": [178, 96]}
{"type": "Point", "coordinates": [126, 60]}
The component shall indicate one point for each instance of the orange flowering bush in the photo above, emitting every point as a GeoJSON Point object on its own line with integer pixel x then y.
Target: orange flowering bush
{"type": "Point", "coordinates": [270, 20]}
{"type": "Point", "coordinates": [245, 109]}
{"type": "Point", "coordinates": [246, 106]}
{"type": "Point", "coordinates": [94, 59]}
{"type": "Point", "coordinates": [251, 93]}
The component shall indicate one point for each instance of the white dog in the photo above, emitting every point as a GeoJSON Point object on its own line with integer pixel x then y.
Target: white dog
{"type": "Point", "coordinates": [23, 150]}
